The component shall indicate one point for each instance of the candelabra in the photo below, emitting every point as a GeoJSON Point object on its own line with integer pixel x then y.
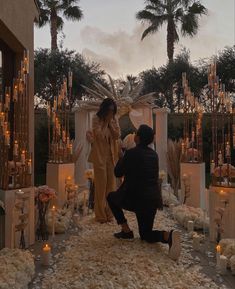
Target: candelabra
{"type": "Point", "coordinates": [60, 145]}
{"type": "Point", "coordinates": [223, 135]}
{"type": "Point", "coordinates": [15, 157]}
{"type": "Point", "coordinates": [192, 140]}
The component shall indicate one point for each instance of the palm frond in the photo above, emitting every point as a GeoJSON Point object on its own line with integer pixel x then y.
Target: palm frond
{"type": "Point", "coordinates": [60, 23]}
{"type": "Point", "coordinates": [189, 25]}
{"type": "Point", "coordinates": [94, 94]}
{"type": "Point", "coordinates": [126, 90]}
{"type": "Point", "coordinates": [73, 13]}
{"type": "Point", "coordinates": [150, 30]}
{"type": "Point", "coordinates": [112, 86]}
{"type": "Point", "coordinates": [197, 8]}
{"type": "Point", "coordinates": [137, 90]}
{"type": "Point", "coordinates": [145, 15]}
{"type": "Point", "coordinates": [101, 89]}
{"type": "Point", "coordinates": [44, 17]}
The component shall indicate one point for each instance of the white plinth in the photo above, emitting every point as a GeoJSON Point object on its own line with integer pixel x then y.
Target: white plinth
{"type": "Point", "coordinates": [228, 221]}
{"type": "Point", "coordinates": [56, 176]}
{"type": "Point", "coordinates": [12, 238]}
{"type": "Point", "coordinates": [196, 172]}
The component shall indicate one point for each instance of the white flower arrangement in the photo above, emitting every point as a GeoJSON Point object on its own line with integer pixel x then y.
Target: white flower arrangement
{"type": "Point", "coordinates": [184, 213]}
{"type": "Point", "coordinates": [62, 220]}
{"type": "Point", "coordinates": [228, 250]}
{"type": "Point", "coordinates": [16, 268]}
{"type": "Point", "coordinates": [168, 196]}
{"type": "Point", "coordinates": [89, 174]}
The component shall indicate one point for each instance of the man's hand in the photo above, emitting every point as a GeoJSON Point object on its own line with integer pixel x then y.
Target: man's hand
{"type": "Point", "coordinates": [121, 153]}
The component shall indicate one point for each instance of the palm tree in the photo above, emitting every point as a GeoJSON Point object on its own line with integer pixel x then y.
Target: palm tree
{"type": "Point", "coordinates": [177, 14]}
{"type": "Point", "coordinates": [51, 11]}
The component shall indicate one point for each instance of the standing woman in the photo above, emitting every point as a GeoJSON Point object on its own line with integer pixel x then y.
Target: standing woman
{"type": "Point", "coordinates": [104, 138]}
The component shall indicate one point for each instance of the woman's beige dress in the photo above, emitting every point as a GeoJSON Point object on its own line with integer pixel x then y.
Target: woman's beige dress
{"type": "Point", "coordinates": [104, 155]}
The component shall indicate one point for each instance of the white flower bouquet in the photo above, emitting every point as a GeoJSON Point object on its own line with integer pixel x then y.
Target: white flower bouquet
{"type": "Point", "coordinates": [16, 268]}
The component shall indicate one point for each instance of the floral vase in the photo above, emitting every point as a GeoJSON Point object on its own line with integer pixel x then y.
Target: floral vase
{"type": "Point", "coordinates": [42, 230]}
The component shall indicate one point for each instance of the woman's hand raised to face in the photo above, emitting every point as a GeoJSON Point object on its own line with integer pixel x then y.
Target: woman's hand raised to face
{"type": "Point", "coordinates": [90, 136]}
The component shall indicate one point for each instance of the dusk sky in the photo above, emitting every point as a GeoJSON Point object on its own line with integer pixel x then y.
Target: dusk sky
{"type": "Point", "coordinates": [110, 35]}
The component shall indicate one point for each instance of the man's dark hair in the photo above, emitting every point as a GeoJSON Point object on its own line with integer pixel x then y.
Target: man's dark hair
{"type": "Point", "coordinates": [146, 134]}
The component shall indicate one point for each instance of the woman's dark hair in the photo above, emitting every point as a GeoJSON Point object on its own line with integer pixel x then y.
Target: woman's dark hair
{"type": "Point", "coordinates": [107, 105]}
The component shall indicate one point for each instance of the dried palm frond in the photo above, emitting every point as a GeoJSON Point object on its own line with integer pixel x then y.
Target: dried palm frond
{"type": "Point", "coordinates": [126, 100]}
{"type": "Point", "coordinates": [173, 163]}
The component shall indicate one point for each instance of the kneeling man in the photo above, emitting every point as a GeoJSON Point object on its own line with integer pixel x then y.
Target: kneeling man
{"type": "Point", "coordinates": [140, 193]}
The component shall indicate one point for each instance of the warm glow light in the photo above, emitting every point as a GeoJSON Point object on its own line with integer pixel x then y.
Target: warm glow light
{"type": "Point", "coordinates": [46, 248]}
{"type": "Point", "coordinates": [218, 249]}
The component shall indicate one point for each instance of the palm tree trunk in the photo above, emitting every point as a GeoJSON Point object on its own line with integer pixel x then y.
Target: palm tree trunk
{"type": "Point", "coordinates": [53, 30]}
{"type": "Point", "coordinates": [170, 40]}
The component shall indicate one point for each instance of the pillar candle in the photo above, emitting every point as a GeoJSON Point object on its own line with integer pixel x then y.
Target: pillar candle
{"type": "Point", "coordinates": [220, 159]}
{"type": "Point", "coordinates": [46, 255]}
{"type": "Point", "coordinates": [223, 262]}
{"type": "Point", "coordinates": [53, 221]}
{"type": "Point", "coordinates": [190, 226]}
{"type": "Point", "coordinates": [30, 166]}
{"type": "Point", "coordinates": [7, 138]}
{"type": "Point", "coordinates": [16, 146]}
{"type": "Point", "coordinates": [23, 157]}
{"type": "Point", "coordinates": [212, 167]}
{"type": "Point", "coordinates": [218, 252]}
{"type": "Point", "coordinates": [227, 150]}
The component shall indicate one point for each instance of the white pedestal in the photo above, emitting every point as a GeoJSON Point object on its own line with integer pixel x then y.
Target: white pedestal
{"type": "Point", "coordinates": [12, 238]}
{"type": "Point", "coordinates": [228, 221]}
{"type": "Point", "coordinates": [196, 172]}
{"type": "Point", "coordinates": [56, 176]}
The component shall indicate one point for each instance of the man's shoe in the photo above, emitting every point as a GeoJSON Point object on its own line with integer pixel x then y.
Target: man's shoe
{"type": "Point", "coordinates": [174, 242]}
{"type": "Point", "coordinates": [124, 235]}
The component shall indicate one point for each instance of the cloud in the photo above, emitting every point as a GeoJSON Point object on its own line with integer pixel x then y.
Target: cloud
{"type": "Point", "coordinates": [122, 53]}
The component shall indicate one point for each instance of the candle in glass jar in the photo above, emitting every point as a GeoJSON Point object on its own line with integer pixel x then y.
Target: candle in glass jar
{"type": "Point", "coordinates": [7, 138]}
{"type": "Point", "coordinates": [193, 136]}
{"type": "Point", "coordinates": [212, 167]}
{"type": "Point", "coordinates": [23, 157]}
{"type": "Point", "coordinates": [16, 146]}
{"type": "Point", "coordinates": [30, 166]}
{"type": "Point", "coordinates": [220, 159]}
{"type": "Point", "coordinates": [53, 221]}
{"type": "Point", "coordinates": [71, 149]}
{"type": "Point", "coordinates": [46, 255]}
{"type": "Point", "coordinates": [227, 150]}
